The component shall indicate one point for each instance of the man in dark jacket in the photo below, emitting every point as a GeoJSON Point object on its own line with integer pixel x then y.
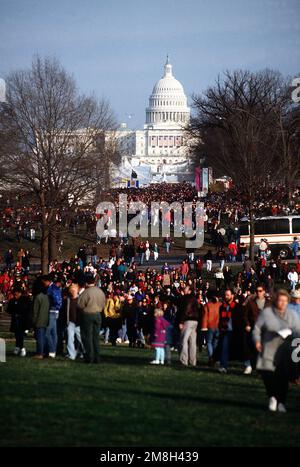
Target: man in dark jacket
{"type": "Point", "coordinates": [188, 318]}
{"type": "Point", "coordinates": [40, 317]}
{"type": "Point", "coordinates": [252, 308]}
{"type": "Point", "coordinates": [227, 309]}
{"type": "Point", "coordinates": [19, 309]}
{"type": "Point", "coordinates": [130, 315]}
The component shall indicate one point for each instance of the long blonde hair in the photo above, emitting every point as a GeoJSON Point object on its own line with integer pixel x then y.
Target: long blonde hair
{"type": "Point", "coordinates": [158, 312]}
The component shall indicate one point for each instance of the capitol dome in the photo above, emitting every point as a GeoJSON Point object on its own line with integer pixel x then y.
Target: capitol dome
{"type": "Point", "coordinates": [168, 102]}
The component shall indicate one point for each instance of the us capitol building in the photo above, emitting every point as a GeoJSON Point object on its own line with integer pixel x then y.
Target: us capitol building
{"type": "Point", "coordinates": [159, 152]}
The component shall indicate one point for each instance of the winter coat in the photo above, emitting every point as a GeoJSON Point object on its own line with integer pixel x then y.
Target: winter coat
{"type": "Point", "coordinates": [40, 314]}
{"type": "Point", "coordinates": [211, 315]}
{"type": "Point", "coordinates": [159, 332]}
{"type": "Point", "coordinates": [55, 297]}
{"type": "Point", "coordinates": [189, 309]}
{"type": "Point", "coordinates": [226, 316]}
{"type": "Point", "coordinates": [20, 312]}
{"type": "Point", "coordinates": [266, 330]}
{"type": "Point", "coordinates": [251, 311]}
{"type": "Point", "coordinates": [112, 308]}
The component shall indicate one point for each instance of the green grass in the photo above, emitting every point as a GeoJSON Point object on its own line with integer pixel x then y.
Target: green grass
{"type": "Point", "coordinates": [126, 402]}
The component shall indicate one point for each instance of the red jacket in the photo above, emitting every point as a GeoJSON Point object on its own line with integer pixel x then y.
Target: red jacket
{"type": "Point", "coordinates": [211, 315]}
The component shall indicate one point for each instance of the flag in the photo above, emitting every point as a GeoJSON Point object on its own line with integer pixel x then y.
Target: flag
{"type": "Point", "coordinates": [133, 183]}
{"type": "Point", "coordinates": [198, 178]}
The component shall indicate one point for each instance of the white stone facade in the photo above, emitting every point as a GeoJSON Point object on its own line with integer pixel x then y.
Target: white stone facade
{"type": "Point", "coordinates": [161, 144]}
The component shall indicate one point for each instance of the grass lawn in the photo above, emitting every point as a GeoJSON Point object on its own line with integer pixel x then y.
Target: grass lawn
{"type": "Point", "coordinates": [126, 402]}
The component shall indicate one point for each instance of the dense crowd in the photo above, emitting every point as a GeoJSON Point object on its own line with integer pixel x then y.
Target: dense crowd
{"type": "Point", "coordinates": [203, 303]}
{"type": "Point", "coordinates": [170, 309]}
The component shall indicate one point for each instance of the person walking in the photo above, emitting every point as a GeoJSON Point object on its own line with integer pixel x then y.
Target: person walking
{"type": "Point", "coordinates": [155, 251]}
{"type": "Point", "coordinates": [233, 251]}
{"type": "Point", "coordinates": [73, 323]}
{"type": "Point", "coordinates": [91, 304]}
{"type": "Point", "coordinates": [293, 278]}
{"type": "Point", "coordinates": [295, 248]}
{"type": "Point", "coordinates": [252, 307]}
{"type": "Point", "coordinates": [295, 306]}
{"type": "Point", "coordinates": [40, 318]}
{"type": "Point", "coordinates": [19, 309]}
{"type": "Point", "coordinates": [226, 327]}
{"type": "Point", "coordinates": [208, 260]}
{"type": "Point", "coordinates": [158, 341]}
{"type": "Point", "coordinates": [112, 313]}
{"type": "Point", "coordinates": [189, 316]}
{"type": "Point", "coordinates": [275, 326]}
{"type": "Point", "coordinates": [210, 325]}
{"type": "Point", "coordinates": [54, 293]}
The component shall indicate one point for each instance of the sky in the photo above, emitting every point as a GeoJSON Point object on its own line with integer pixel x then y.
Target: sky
{"type": "Point", "coordinates": [117, 48]}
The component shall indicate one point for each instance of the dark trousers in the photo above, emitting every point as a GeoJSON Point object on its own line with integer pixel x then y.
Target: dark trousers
{"type": "Point", "coordinates": [225, 339]}
{"type": "Point", "coordinates": [19, 333]}
{"type": "Point", "coordinates": [131, 333]}
{"type": "Point", "coordinates": [114, 325]}
{"type": "Point", "coordinates": [90, 328]}
{"type": "Point", "coordinates": [276, 384]}
{"type": "Point", "coordinates": [40, 335]}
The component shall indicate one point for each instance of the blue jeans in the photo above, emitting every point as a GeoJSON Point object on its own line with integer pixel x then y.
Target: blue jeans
{"type": "Point", "coordinates": [40, 335]}
{"type": "Point", "coordinates": [212, 339]}
{"type": "Point", "coordinates": [51, 333]}
{"type": "Point", "coordinates": [123, 332]}
{"type": "Point", "coordinates": [225, 339]}
{"type": "Point", "coordinates": [160, 354]}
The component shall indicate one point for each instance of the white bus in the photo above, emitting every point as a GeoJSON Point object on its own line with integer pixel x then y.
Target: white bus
{"type": "Point", "coordinates": [279, 231]}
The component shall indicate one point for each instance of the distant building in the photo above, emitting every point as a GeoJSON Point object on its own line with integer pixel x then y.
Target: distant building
{"type": "Point", "coordinates": [161, 145]}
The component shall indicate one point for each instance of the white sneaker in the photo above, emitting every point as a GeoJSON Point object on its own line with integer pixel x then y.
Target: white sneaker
{"type": "Point", "coordinates": [162, 363]}
{"type": "Point", "coordinates": [16, 350]}
{"type": "Point", "coordinates": [154, 362]}
{"type": "Point", "coordinates": [222, 370]}
{"type": "Point", "coordinates": [272, 404]}
{"type": "Point", "coordinates": [23, 352]}
{"type": "Point", "coordinates": [126, 342]}
{"type": "Point", "coordinates": [52, 354]}
{"type": "Point", "coordinates": [281, 408]}
{"type": "Point", "coordinates": [119, 340]}
{"type": "Point", "coordinates": [248, 370]}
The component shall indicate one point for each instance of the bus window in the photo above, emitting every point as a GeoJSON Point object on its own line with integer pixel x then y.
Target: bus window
{"type": "Point", "coordinates": [296, 225]}
{"type": "Point", "coordinates": [244, 228]}
{"type": "Point", "coordinates": [282, 226]}
{"type": "Point", "coordinates": [265, 227]}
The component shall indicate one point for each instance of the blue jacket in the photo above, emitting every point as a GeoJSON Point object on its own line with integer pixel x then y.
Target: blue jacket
{"type": "Point", "coordinates": [55, 297]}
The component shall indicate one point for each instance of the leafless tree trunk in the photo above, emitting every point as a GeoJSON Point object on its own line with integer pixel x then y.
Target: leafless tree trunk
{"type": "Point", "coordinates": [234, 127]}
{"type": "Point", "coordinates": [53, 140]}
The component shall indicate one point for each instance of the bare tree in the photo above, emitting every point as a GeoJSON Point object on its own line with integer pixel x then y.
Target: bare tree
{"type": "Point", "coordinates": [235, 127]}
{"type": "Point", "coordinates": [54, 131]}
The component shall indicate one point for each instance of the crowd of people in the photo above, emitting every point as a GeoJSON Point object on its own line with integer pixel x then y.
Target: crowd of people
{"type": "Point", "coordinates": [168, 309]}
{"type": "Point", "coordinates": [203, 303]}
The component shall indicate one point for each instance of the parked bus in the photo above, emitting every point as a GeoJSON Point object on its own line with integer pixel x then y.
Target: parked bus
{"type": "Point", "coordinates": [278, 231]}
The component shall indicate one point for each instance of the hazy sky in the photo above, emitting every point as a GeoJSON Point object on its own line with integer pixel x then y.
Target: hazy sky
{"type": "Point", "coordinates": [117, 48]}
